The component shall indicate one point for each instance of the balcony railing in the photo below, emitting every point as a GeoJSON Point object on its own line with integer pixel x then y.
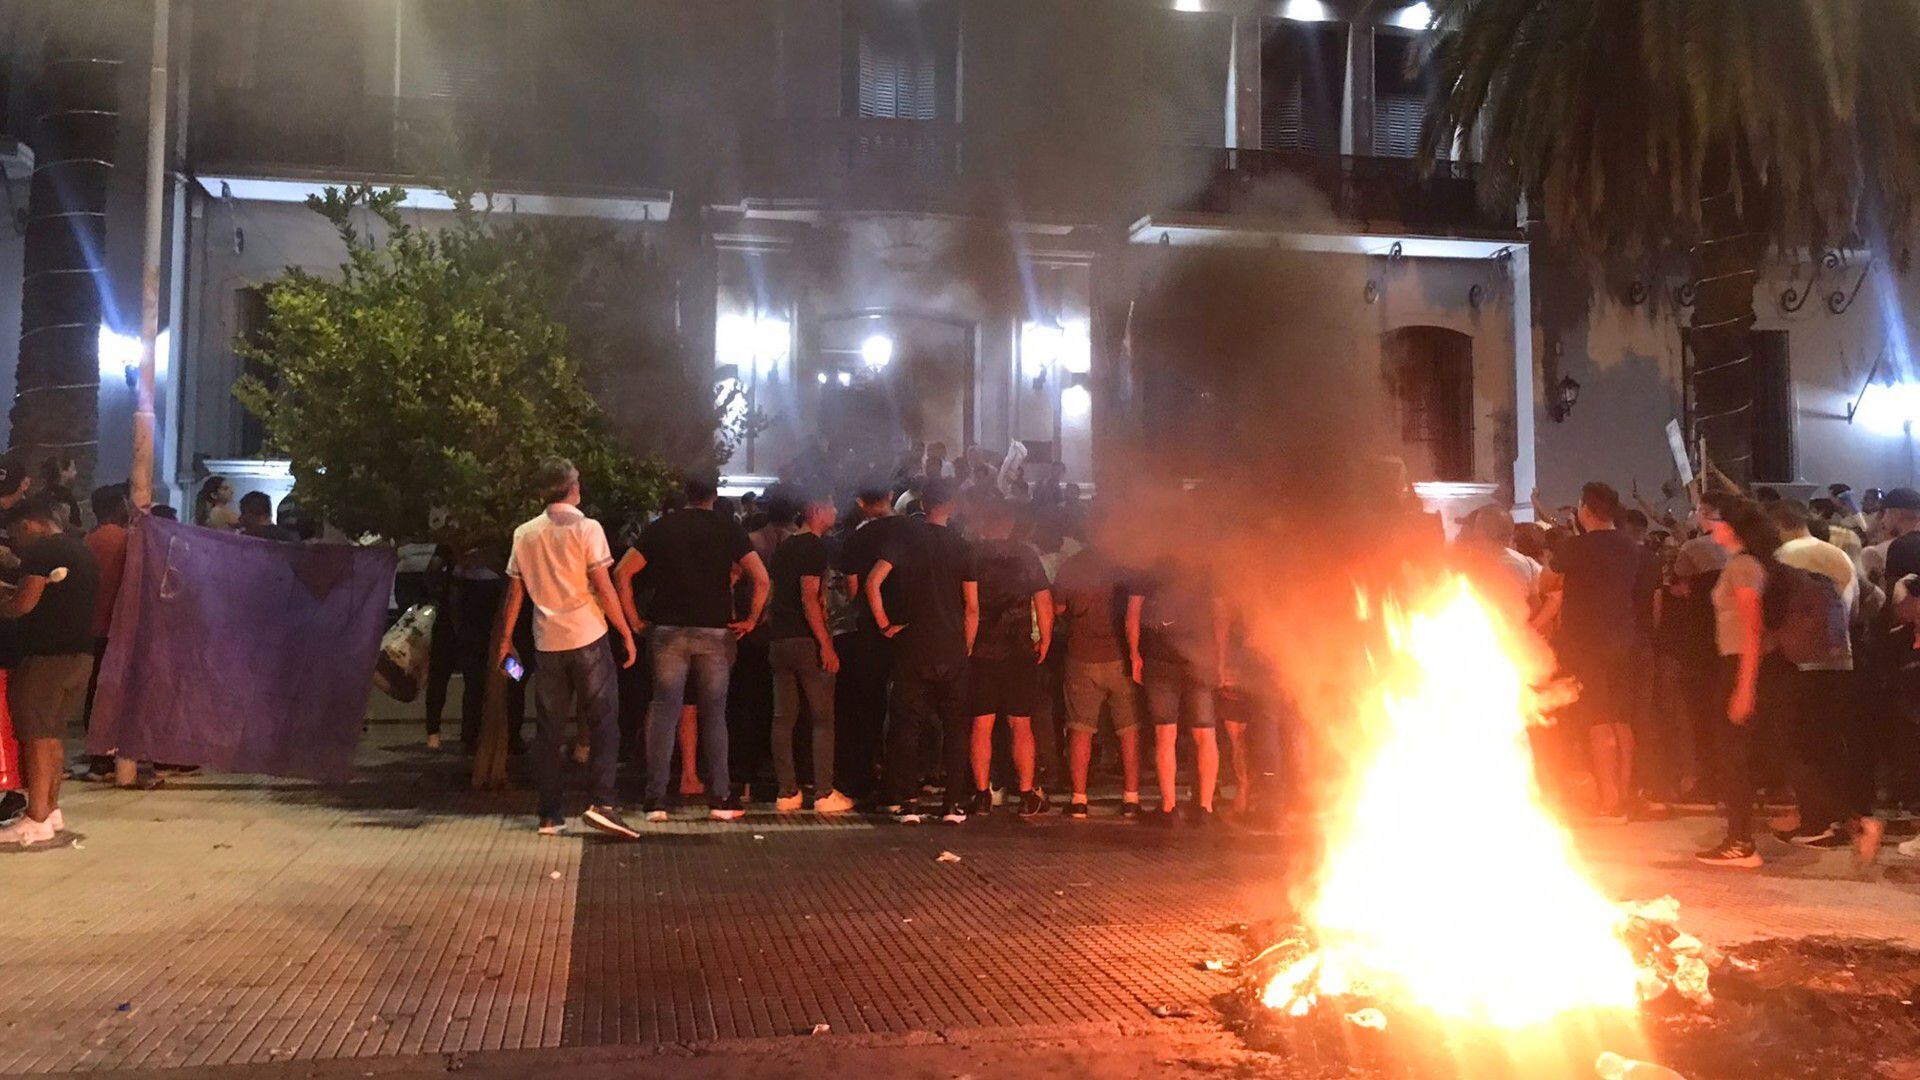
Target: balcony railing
{"type": "Point", "coordinates": [903, 165]}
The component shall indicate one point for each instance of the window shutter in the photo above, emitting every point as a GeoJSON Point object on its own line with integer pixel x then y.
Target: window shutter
{"type": "Point", "coordinates": [1303, 80]}
{"type": "Point", "coordinates": [898, 79]}
{"type": "Point", "coordinates": [456, 50]}
{"type": "Point", "coordinates": [1400, 95]}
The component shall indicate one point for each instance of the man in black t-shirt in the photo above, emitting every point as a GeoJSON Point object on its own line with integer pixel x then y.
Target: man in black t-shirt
{"type": "Point", "coordinates": [1600, 575]}
{"type": "Point", "coordinates": [933, 629]}
{"type": "Point", "coordinates": [1177, 641]}
{"type": "Point", "coordinates": [803, 658]}
{"type": "Point", "coordinates": [1005, 677]}
{"type": "Point", "coordinates": [693, 555]}
{"type": "Point", "coordinates": [864, 661]}
{"type": "Point", "coordinates": [53, 603]}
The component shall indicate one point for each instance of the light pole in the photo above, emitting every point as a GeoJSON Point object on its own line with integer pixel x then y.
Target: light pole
{"type": "Point", "coordinates": [141, 472]}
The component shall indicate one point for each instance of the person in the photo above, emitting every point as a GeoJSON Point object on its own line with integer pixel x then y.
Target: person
{"type": "Point", "coordinates": [1089, 601]}
{"type": "Point", "coordinates": [1749, 676]}
{"type": "Point", "coordinates": [1004, 673]}
{"type": "Point", "coordinates": [935, 465]}
{"type": "Point", "coordinates": [559, 561]}
{"type": "Point", "coordinates": [1598, 577]}
{"type": "Point", "coordinates": [62, 472]}
{"type": "Point", "coordinates": [54, 604]}
{"type": "Point", "coordinates": [1687, 627]}
{"type": "Point", "coordinates": [750, 685]}
{"type": "Point", "coordinates": [1828, 740]}
{"type": "Point", "coordinates": [803, 658]}
{"type": "Point", "coordinates": [938, 616]}
{"type": "Point", "coordinates": [691, 626]}
{"type": "Point", "coordinates": [1051, 490]}
{"type": "Point", "coordinates": [865, 662]}
{"type": "Point", "coordinates": [1488, 541]}
{"type": "Point", "coordinates": [1177, 644]}
{"type": "Point", "coordinates": [475, 592]}
{"type": "Point", "coordinates": [213, 507]}
{"type": "Point", "coordinates": [108, 544]}
{"type": "Point", "coordinates": [256, 519]}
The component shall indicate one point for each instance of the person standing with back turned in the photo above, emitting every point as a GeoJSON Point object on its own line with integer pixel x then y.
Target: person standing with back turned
{"type": "Point", "coordinates": [560, 561]}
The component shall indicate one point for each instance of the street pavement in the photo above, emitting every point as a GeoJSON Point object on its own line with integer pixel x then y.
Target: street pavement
{"type": "Point", "coordinates": [238, 926]}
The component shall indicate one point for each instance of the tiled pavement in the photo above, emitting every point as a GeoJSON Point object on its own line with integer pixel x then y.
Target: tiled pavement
{"type": "Point", "coordinates": [247, 921]}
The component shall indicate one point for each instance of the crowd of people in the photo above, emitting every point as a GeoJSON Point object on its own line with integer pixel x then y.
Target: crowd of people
{"type": "Point", "coordinates": [921, 655]}
{"type": "Point", "coordinates": [952, 639]}
{"type": "Point", "coordinates": [1760, 649]}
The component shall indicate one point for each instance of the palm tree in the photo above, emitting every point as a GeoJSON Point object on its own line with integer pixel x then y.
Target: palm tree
{"type": "Point", "coordinates": [1727, 129]}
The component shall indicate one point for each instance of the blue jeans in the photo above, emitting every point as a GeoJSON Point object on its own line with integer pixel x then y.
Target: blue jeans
{"type": "Point", "coordinates": [708, 653]}
{"type": "Point", "coordinates": [579, 682]}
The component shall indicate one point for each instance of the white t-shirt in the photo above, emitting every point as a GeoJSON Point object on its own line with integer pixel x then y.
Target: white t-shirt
{"type": "Point", "coordinates": [552, 555]}
{"type": "Point", "coordinates": [1525, 570]}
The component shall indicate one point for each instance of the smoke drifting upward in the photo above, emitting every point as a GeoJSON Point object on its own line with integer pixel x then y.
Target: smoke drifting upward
{"type": "Point", "coordinates": [1258, 377]}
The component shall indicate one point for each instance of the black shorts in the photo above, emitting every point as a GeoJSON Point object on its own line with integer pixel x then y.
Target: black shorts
{"type": "Point", "coordinates": [1008, 687]}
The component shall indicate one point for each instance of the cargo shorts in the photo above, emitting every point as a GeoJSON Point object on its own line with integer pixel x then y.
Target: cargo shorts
{"type": "Point", "coordinates": [1089, 686]}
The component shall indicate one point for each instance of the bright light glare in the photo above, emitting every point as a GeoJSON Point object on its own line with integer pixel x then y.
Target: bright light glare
{"type": "Point", "coordinates": [846, 378]}
{"type": "Point", "coordinates": [1307, 11]}
{"type": "Point", "coordinates": [821, 378]}
{"type": "Point", "coordinates": [1076, 402]}
{"type": "Point", "coordinates": [743, 341]}
{"type": "Point", "coordinates": [877, 351]}
{"type": "Point", "coordinates": [1413, 17]}
{"type": "Point", "coordinates": [1076, 347]}
{"type": "Point", "coordinates": [1039, 347]}
{"type": "Point", "coordinates": [1187, 5]}
{"type": "Point", "coordinates": [1887, 409]}
{"type": "Point", "coordinates": [120, 353]}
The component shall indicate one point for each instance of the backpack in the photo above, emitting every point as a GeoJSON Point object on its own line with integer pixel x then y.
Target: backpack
{"type": "Point", "coordinates": [1805, 615]}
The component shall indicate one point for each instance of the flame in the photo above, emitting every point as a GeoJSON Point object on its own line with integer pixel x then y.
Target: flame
{"type": "Point", "coordinates": [1495, 922]}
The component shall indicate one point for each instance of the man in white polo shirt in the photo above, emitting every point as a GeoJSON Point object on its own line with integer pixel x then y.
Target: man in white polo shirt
{"type": "Point", "coordinates": [560, 561]}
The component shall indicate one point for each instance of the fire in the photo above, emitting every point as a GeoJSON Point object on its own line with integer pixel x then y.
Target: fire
{"type": "Point", "coordinates": [1494, 922]}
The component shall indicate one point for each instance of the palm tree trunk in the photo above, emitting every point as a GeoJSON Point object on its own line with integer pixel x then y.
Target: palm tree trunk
{"type": "Point", "coordinates": [57, 389]}
{"type": "Point", "coordinates": [1725, 266]}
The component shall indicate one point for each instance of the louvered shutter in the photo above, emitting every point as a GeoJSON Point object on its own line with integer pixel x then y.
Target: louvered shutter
{"type": "Point", "coordinates": [1400, 97]}
{"type": "Point", "coordinates": [1303, 78]}
{"type": "Point", "coordinates": [456, 50]}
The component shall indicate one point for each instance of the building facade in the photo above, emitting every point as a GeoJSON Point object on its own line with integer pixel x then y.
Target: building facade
{"type": "Point", "coordinates": [930, 221]}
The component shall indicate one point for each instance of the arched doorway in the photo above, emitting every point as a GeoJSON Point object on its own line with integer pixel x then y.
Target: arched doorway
{"type": "Point", "coordinates": [1429, 371]}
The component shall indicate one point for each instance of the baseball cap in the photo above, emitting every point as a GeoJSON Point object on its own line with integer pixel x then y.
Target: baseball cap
{"type": "Point", "coordinates": [1901, 498]}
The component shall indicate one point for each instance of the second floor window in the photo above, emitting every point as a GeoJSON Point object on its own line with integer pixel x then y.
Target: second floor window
{"type": "Point", "coordinates": [900, 61]}
{"type": "Point", "coordinates": [1303, 71]}
{"type": "Point", "coordinates": [460, 51]}
{"type": "Point", "coordinates": [1401, 81]}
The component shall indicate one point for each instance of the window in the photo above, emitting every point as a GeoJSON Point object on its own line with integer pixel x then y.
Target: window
{"type": "Point", "coordinates": [249, 324]}
{"type": "Point", "coordinates": [460, 51]}
{"type": "Point", "coordinates": [1772, 407]}
{"type": "Point", "coordinates": [1400, 82]}
{"type": "Point", "coordinates": [1302, 85]}
{"type": "Point", "coordinates": [1187, 78]}
{"type": "Point", "coordinates": [1429, 370]}
{"type": "Point", "coordinates": [900, 61]}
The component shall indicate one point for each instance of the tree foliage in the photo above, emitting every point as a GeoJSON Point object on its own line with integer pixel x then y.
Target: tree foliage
{"type": "Point", "coordinates": [417, 391]}
{"type": "Point", "coordinates": [1620, 115]}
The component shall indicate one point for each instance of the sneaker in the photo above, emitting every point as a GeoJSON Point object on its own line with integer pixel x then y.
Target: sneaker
{"type": "Point", "coordinates": [1909, 848]}
{"type": "Point", "coordinates": [1077, 808]}
{"type": "Point", "coordinates": [552, 826]}
{"type": "Point", "coordinates": [789, 804]}
{"type": "Point", "coordinates": [999, 794]}
{"type": "Point", "coordinates": [954, 814]}
{"type": "Point", "coordinates": [13, 807]}
{"type": "Point", "coordinates": [658, 816]}
{"type": "Point", "coordinates": [728, 809]}
{"type": "Point", "coordinates": [1735, 853]}
{"type": "Point", "coordinates": [27, 831]}
{"type": "Point", "coordinates": [1130, 810]}
{"type": "Point", "coordinates": [57, 821]}
{"type": "Point", "coordinates": [1163, 818]}
{"type": "Point", "coordinates": [983, 803]}
{"type": "Point", "coordinates": [832, 803]}
{"type": "Point", "coordinates": [892, 809]}
{"type": "Point", "coordinates": [608, 820]}
{"type": "Point", "coordinates": [1199, 816]}
{"type": "Point", "coordinates": [1808, 835]}
{"type": "Point", "coordinates": [908, 813]}
{"type": "Point", "coordinates": [1034, 803]}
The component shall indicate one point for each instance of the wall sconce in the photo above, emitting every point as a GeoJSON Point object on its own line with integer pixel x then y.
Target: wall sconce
{"type": "Point", "coordinates": [1566, 394]}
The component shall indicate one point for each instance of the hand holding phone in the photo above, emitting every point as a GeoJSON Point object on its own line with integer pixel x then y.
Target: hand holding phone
{"type": "Point", "coordinates": [513, 668]}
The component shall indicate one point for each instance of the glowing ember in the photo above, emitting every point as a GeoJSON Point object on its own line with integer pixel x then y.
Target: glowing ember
{"type": "Point", "coordinates": [1501, 929]}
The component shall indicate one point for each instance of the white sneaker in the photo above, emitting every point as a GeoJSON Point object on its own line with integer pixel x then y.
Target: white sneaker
{"type": "Point", "coordinates": [27, 831]}
{"type": "Point", "coordinates": [657, 817]}
{"type": "Point", "coordinates": [57, 821]}
{"type": "Point", "coordinates": [1910, 848]}
{"type": "Point", "coordinates": [789, 804]}
{"type": "Point", "coordinates": [832, 803]}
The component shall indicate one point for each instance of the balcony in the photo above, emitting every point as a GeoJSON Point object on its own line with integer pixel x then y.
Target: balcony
{"type": "Point", "coordinates": [1374, 194]}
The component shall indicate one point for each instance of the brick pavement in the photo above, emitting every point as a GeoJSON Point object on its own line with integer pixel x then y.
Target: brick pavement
{"type": "Point", "coordinates": [246, 921]}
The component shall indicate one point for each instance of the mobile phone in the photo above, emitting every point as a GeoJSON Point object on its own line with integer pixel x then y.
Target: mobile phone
{"type": "Point", "coordinates": [513, 669]}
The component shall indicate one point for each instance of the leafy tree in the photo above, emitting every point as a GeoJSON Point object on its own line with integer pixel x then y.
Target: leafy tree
{"type": "Point", "coordinates": [416, 393]}
{"type": "Point", "coordinates": [1721, 128]}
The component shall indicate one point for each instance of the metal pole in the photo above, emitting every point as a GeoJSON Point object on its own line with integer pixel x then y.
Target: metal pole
{"type": "Point", "coordinates": [141, 473]}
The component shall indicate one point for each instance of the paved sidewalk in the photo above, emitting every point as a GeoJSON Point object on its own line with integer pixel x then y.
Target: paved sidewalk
{"type": "Point", "coordinates": [231, 920]}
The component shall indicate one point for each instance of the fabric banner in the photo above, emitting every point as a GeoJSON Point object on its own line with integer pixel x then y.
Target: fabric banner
{"type": "Point", "coordinates": [241, 654]}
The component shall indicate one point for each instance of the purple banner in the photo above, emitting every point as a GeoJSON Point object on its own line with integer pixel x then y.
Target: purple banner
{"type": "Point", "coordinates": [240, 654]}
